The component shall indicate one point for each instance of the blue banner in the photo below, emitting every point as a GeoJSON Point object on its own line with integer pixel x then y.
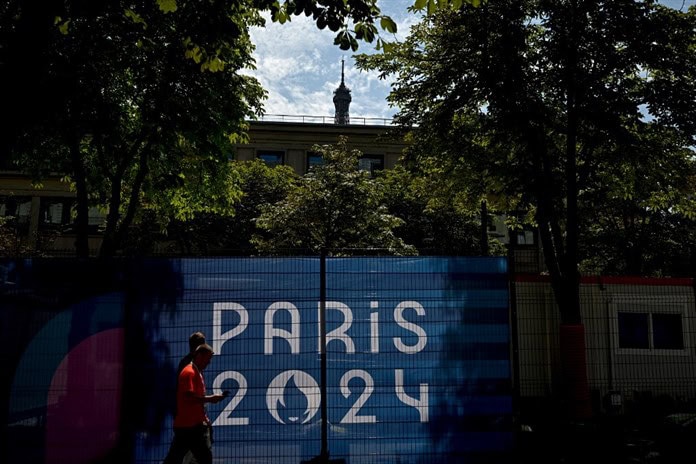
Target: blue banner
{"type": "Point", "coordinates": [417, 350]}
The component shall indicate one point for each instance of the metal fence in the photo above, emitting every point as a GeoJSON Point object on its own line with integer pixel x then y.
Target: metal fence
{"type": "Point", "coordinates": [426, 359]}
{"type": "Point", "coordinates": [416, 365]}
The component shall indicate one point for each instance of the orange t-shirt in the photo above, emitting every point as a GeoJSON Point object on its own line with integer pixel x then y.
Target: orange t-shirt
{"type": "Point", "coordinates": [190, 411]}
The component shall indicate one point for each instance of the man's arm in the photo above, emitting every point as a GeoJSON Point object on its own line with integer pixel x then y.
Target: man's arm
{"type": "Point", "coordinates": [205, 398]}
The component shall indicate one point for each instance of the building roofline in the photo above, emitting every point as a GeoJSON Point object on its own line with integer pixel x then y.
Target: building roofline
{"type": "Point", "coordinates": [285, 119]}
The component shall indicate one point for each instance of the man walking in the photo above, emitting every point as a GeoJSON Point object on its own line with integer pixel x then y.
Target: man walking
{"type": "Point", "coordinates": [191, 423]}
{"type": "Point", "coordinates": [195, 340]}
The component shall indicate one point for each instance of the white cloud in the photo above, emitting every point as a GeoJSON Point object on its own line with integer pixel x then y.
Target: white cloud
{"type": "Point", "coordinates": [300, 67]}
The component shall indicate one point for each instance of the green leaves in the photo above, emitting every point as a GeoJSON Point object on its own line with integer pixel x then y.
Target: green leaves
{"type": "Point", "coordinates": [420, 5]}
{"type": "Point", "coordinates": [365, 32]}
{"type": "Point", "coordinates": [336, 206]}
{"type": "Point", "coordinates": [167, 6]}
{"type": "Point", "coordinates": [432, 6]}
{"type": "Point", "coordinates": [143, 105]}
{"type": "Point", "coordinates": [533, 104]}
{"type": "Point", "coordinates": [388, 24]}
{"type": "Point", "coordinates": [135, 17]}
{"type": "Point", "coordinates": [346, 41]}
{"type": "Point", "coordinates": [63, 26]}
{"type": "Point", "coordinates": [137, 93]}
{"type": "Point", "coordinates": [336, 16]}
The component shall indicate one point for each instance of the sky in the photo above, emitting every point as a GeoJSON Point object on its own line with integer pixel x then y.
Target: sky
{"type": "Point", "coordinates": [300, 67]}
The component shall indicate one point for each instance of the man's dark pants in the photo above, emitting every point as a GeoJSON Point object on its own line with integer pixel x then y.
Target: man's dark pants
{"type": "Point", "coordinates": [194, 439]}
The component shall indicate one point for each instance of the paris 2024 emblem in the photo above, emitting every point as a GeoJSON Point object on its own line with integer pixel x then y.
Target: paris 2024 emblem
{"type": "Point", "coordinates": [305, 384]}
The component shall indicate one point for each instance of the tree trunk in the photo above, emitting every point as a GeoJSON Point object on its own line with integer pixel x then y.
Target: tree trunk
{"type": "Point", "coordinates": [484, 228]}
{"type": "Point", "coordinates": [82, 202]}
{"type": "Point", "coordinates": [134, 200]}
{"type": "Point", "coordinates": [116, 231]}
{"type": "Point", "coordinates": [108, 246]}
{"type": "Point", "coordinates": [572, 332]}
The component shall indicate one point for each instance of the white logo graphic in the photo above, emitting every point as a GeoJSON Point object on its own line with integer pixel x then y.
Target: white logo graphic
{"type": "Point", "coordinates": [305, 383]}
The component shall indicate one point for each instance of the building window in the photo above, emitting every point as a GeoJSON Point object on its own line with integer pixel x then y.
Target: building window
{"type": "Point", "coordinates": [633, 330]}
{"type": "Point", "coordinates": [314, 159]}
{"type": "Point", "coordinates": [18, 208]}
{"type": "Point", "coordinates": [525, 237]}
{"type": "Point", "coordinates": [272, 158]}
{"type": "Point", "coordinates": [54, 212]}
{"type": "Point", "coordinates": [667, 332]}
{"type": "Point", "coordinates": [491, 224]}
{"type": "Point", "coordinates": [371, 163]}
{"type": "Point", "coordinates": [650, 331]}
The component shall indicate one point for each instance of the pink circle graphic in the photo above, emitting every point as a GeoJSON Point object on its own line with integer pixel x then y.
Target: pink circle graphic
{"type": "Point", "coordinates": [84, 400]}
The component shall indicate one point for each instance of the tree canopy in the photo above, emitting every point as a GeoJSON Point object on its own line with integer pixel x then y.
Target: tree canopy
{"type": "Point", "coordinates": [208, 232]}
{"type": "Point", "coordinates": [541, 102]}
{"type": "Point", "coordinates": [132, 100]}
{"type": "Point", "coordinates": [536, 99]}
{"type": "Point", "coordinates": [336, 207]}
{"type": "Point", "coordinates": [437, 218]}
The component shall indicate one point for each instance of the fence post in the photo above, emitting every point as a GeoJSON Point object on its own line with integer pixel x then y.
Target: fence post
{"type": "Point", "coordinates": [322, 324]}
{"type": "Point", "coordinates": [514, 338]}
{"type": "Point", "coordinates": [323, 457]}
